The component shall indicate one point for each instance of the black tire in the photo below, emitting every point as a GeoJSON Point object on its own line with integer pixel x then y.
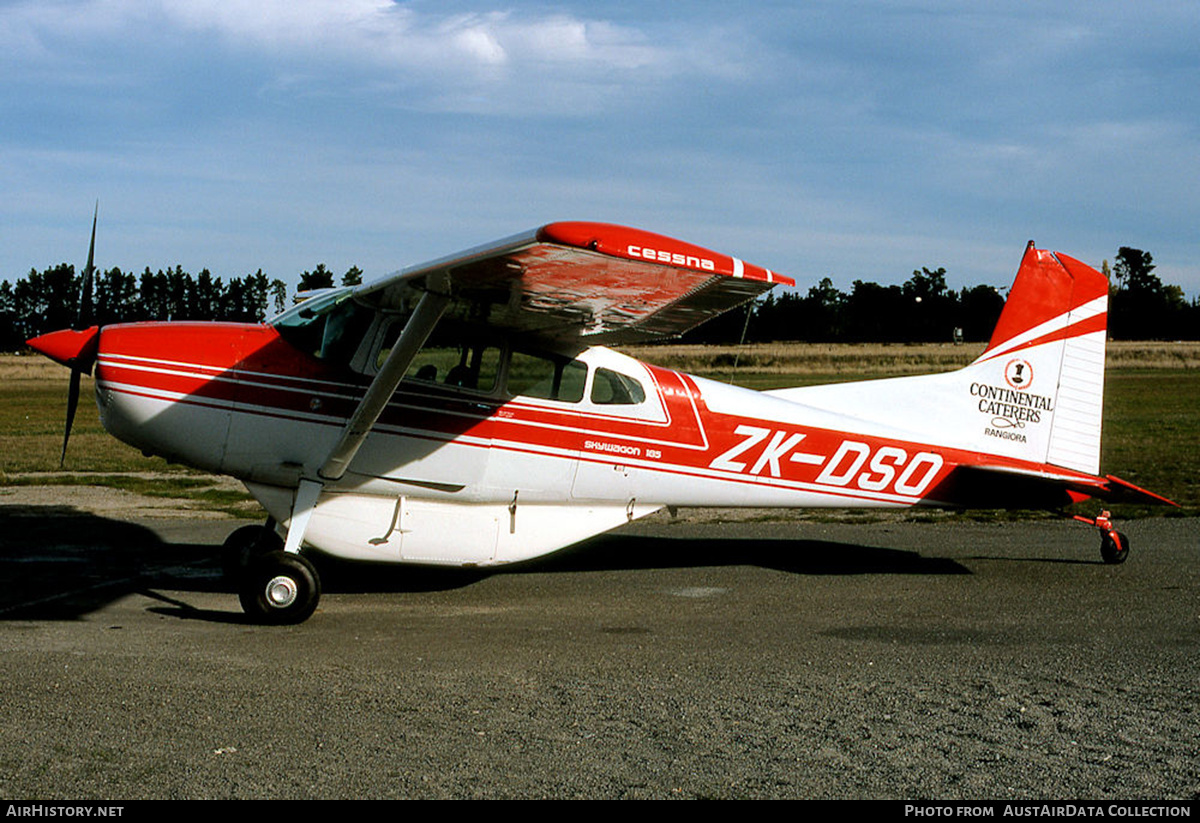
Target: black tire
{"type": "Point", "coordinates": [1114, 547]}
{"type": "Point", "coordinates": [280, 588]}
{"type": "Point", "coordinates": [245, 545]}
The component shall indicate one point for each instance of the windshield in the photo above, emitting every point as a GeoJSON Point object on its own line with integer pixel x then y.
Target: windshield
{"type": "Point", "coordinates": [329, 326]}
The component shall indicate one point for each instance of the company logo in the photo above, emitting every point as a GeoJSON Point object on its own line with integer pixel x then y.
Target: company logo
{"type": "Point", "coordinates": [1018, 374]}
{"type": "Point", "coordinates": [674, 258]}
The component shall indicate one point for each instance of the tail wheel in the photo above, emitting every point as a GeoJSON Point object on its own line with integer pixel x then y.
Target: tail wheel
{"type": "Point", "coordinates": [280, 588]}
{"type": "Point", "coordinates": [1114, 547]}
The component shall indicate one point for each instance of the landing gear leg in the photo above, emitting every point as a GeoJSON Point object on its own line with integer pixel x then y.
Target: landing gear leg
{"type": "Point", "coordinates": [1114, 545]}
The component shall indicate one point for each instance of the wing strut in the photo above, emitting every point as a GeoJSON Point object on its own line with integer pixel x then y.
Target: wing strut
{"type": "Point", "coordinates": [416, 331]}
{"type": "Point", "coordinates": [429, 310]}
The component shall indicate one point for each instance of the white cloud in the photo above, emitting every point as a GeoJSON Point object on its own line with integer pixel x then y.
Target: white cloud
{"type": "Point", "coordinates": [476, 39]}
{"type": "Point", "coordinates": [782, 131]}
{"type": "Point", "coordinates": [362, 31]}
{"type": "Point", "coordinates": [278, 24]}
{"type": "Point", "coordinates": [477, 62]}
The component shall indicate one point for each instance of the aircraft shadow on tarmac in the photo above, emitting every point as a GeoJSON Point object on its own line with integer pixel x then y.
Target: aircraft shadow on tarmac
{"type": "Point", "coordinates": [61, 564]}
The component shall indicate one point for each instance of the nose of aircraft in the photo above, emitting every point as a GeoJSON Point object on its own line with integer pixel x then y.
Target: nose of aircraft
{"type": "Point", "coordinates": [76, 349]}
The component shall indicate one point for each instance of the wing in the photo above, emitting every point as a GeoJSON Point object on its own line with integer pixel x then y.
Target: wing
{"type": "Point", "coordinates": [593, 283]}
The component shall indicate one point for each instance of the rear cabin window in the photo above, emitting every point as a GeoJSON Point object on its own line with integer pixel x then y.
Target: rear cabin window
{"type": "Point", "coordinates": [610, 388]}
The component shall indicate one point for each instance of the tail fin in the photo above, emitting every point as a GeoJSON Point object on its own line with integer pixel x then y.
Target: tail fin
{"type": "Point", "coordinates": [1035, 394]}
{"type": "Point", "coordinates": [1051, 338]}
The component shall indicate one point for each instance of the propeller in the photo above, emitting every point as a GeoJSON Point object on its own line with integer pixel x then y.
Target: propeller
{"type": "Point", "coordinates": [82, 321]}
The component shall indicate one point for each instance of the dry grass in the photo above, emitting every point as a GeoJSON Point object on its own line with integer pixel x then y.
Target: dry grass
{"type": "Point", "coordinates": [876, 359]}
{"type": "Point", "coordinates": [1154, 355]}
{"type": "Point", "coordinates": [29, 367]}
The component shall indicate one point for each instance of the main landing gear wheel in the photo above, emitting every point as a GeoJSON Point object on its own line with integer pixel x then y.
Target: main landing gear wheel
{"type": "Point", "coordinates": [280, 588]}
{"type": "Point", "coordinates": [245, 545]}
{"type": "Point", "coordinates": [1114, 547]}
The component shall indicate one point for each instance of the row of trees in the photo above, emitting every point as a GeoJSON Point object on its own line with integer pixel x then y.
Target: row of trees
{"type": "Point", "coordinates": [49, 300]}
{"type": "Point", "coordinates": [922, 309]}
{"type": "Point", "coordinates": [1142, 307]}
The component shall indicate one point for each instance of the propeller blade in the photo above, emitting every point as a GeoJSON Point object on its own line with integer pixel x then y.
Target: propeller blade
{"type": "Point", "coordinates": [72, 404]}
{"type": "Point", "coordinates": [82, 321]}
{"type": "Point", "coordinates": [85, 292]}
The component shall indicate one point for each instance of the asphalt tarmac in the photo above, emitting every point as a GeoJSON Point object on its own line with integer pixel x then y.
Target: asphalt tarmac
{"type": "Point", "coordinates": [702, 657]}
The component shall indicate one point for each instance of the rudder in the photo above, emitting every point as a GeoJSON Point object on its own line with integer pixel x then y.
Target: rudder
{"type": "Point", "coordinates": [1053, 331]}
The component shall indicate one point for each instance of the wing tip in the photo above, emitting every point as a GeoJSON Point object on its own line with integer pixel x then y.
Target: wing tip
{"type": "Point", "coordinates": [643, 246]}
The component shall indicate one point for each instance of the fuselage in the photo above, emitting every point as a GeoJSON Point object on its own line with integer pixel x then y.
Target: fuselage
{"type": "Point", "coordinates": [579, 441]}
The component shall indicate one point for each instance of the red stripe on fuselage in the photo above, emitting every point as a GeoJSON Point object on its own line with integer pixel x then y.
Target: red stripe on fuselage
{"type": "Point", "coordinates": [255, 373]}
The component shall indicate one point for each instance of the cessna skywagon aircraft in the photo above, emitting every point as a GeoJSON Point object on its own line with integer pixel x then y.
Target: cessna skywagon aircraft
{"type": "Point", "coordinates": [464, 412]}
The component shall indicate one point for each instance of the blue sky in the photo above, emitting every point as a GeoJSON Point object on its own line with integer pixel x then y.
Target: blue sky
{"type": "Point", "coordinates": [854, 140]}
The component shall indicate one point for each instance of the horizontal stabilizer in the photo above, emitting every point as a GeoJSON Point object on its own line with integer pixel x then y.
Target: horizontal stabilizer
{"type": "Point", "coordinates": [1122, 491]}
{"type": "Point", "coordinates": [996, 486]}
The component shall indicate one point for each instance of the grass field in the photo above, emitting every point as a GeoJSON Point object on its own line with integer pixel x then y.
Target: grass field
{"type": "Point", "coordinates": [33, 402]}
{"type": "Point", "coordinates": [1151, 435]}
{"type": "Point", "coordinates": [775, 365]}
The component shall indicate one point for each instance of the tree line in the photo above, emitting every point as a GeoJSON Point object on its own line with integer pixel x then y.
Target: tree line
{"type": "Point", "coordinates": [49, 300]}
{"type": "Point", "coordinates": [922, 309]}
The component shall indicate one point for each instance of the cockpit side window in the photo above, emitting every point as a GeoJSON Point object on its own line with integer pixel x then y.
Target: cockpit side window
{"type": "Point", "coordinates": [462, 356]}
{"type": "Point", "coordinates": [473, 366]}
{"type": "Point", "coordinates": [451, 357]}
{"type": "Point", "coordinates": [616, 389]}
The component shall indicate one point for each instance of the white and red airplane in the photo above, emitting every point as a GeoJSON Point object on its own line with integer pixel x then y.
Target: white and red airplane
{"type": "Point", "coordinates": [464, 412]}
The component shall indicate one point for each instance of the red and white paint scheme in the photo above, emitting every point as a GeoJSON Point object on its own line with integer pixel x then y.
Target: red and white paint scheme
{"type": "Point", "coordinates": [465, 412]}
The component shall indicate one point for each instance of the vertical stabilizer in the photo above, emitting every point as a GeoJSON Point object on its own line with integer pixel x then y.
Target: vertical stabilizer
{"type": "Point", "coordinates": [1052, 334]}
{"type": "Point", "coordinates": [1035, 394]}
